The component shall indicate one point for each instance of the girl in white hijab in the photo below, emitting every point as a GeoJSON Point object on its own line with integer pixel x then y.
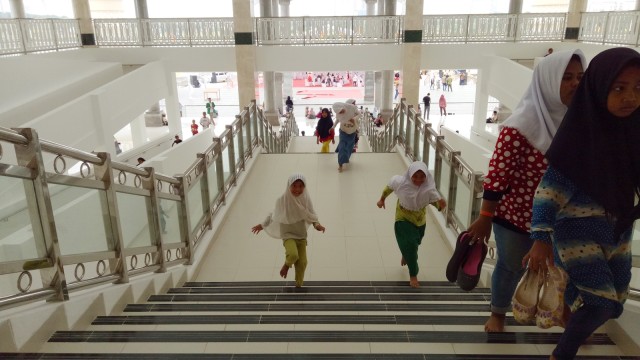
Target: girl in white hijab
{"type": "Point", "coordinates": [415, 190]}
{"type": "Point", "coordinates": [292, 215]}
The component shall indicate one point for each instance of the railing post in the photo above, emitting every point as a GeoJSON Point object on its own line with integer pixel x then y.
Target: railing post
{"type": "Point", "coordinates": [113, 228]}
{"type": "Point", "coordinates": [40, 207]}
{"type": "Point", "coordinates": [416, 137]}
{"type": "Point", "coordinates": [437, 168]}
{"type": "Point", "coordinates": [477, 181]}
{"type": "Point", "coordinates": [240, 141]}
{"type": "Point", "coordinates": [154, 214]}
{"type": "Point", "coordinates": [453, 186]}
{"type": "Point", "coordinates": [217, 149]}
{"type": "Point", "coordinates": [247, 120]}
{"type": "Point", "coordinates": [204, 188]}
{"type": "Point", "coordinates": [232, 154]}
{"type": "Point", "coordinates": [426, 150]}
{"type": "Point", "coordinates": [185, 220]}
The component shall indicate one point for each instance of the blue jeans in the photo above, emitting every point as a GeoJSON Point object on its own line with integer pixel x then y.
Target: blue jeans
{"type": "Point", "coordinates": [345, 147]}
{"type": "Point", "coordinates": [512, 247]}
{"type": "Point", "coordinates": [581, 325]}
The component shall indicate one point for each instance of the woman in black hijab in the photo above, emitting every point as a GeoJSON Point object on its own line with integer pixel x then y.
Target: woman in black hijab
{"type": "Point", "coordinates": [586, 199]}
{"type": "Point", "coordinates": [324, 131]}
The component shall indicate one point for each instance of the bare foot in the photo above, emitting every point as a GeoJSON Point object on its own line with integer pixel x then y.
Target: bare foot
{"type": "Point", "coordinates": [403, 262]}
{"type": "Point", "coordinates": [283, 271]}
{"type": "Point", "coordinates": [495, 323]}
{"type": "Point", "coordinates": [340, 168]}
{"type": "Point", "coordinates": [413, 282]}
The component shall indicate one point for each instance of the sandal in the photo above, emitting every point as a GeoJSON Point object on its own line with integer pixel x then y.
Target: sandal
{"type": "Point", "coordinates": [525, 298]}
{"type": "Point", "coordinates": [551, 305]}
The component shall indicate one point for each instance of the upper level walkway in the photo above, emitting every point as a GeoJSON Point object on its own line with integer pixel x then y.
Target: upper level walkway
{"type": "Point", "coordinates": [20, 36]}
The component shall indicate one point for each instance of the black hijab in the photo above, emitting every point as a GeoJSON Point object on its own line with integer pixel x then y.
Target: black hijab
{"type": "Point", "coordinates": [596, 150]}
{"type": "Point", "coordinates": [324, 124]}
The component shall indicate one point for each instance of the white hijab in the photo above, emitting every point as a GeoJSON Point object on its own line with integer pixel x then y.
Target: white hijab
{"type": "Point", "coordinates": [290, 209]}
{"type": "Point", "coordinates": [540, 111]}
{"type": "Point", "coordinates": [351, 111]}
{"type": "Point", "coordinates": [413, 197]}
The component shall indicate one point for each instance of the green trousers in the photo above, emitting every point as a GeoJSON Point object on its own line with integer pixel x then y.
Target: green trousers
{"type": "Point", "coordinates": [295, 251]}
{"type": "Point", "coordinates": [409, 237]}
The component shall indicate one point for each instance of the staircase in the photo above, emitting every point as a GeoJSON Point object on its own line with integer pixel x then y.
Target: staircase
{"type": "Point", "coordinates": [323, 320]}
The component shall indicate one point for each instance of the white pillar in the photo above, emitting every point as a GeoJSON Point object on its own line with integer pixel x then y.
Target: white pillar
{"type": "Point", "coordinates": [369, 76]}
{"type": "Point", "coordinates": [412, 53]}
{"type": "Point", "coordinates": [388, 8]}
{"type": "Point", "coordinates": [17, 9]}
{"type": "Point", "coordinates": [245, 51]}
{"type": "Point", "coordinates": [481, 101]}
{"type": "Point", "coordinates": [172, 103]}
{"type": "Point", "coordinates": [82, 12]}
{"type": "Point", "coordinates": [515, 7]}
{"type": "Point", "coordinates": [278, 96]}
{"type": "Point", "coordinates": [142, 12]}
{"type": "Point", "coordinates": [284, 7]}
{"type": "Point", "coordinates": [574, 17]}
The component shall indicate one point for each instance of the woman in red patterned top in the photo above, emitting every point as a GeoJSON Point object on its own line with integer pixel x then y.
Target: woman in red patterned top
{"type": "Point", "coordinates": [515, 169]}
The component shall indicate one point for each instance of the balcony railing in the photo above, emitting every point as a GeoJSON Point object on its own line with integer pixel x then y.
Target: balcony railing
{"type": "Point", "coordinates": [20, 36]}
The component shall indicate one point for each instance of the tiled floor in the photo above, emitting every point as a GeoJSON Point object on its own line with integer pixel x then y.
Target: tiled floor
{"type": "Point", "coordinates": [358, 244]}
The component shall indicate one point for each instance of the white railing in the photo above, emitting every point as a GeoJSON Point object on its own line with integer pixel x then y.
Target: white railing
{"type": "Point", "coordinates": [164, 32]}
{"type": "Point", "coordinates": [493, 28]}
{"type": "Point", "coordinates": [612, 28]}
{"type": "Point", "coordinates": [328, 30]}
{"type": "Point", "coordinates": [20, 36]}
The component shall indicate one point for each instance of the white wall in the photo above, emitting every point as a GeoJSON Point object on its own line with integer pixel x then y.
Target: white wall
{"type": "Point", "coordinates": [33, 86]}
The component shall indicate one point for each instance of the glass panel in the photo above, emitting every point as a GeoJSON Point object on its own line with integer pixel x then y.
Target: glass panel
{"type": "Point", "coordinates": [19, 229]}
{"type": "Point", "coordinates": [236, 147]}
{"type": "Point", "coordinates": [463, 201]}
{"type": "Point", "coordinates": [420, 146]}
{"type": "Point", "coordinates": [225, 164]}
{"type": "Point", "coordinates": [444, 179]}
{"type": "Point", "coordinates": [134, 220]}
{"type": "Point", "coordinates": [212, 177]}
{"type": "Point", "coordinates": [170, 221]}
{"type": "Point", "coordinates": [195, 204]}
{"type": "Point", "coordinates": [80, 219]}
{"type": "Point", "coordinates": [431, 165]}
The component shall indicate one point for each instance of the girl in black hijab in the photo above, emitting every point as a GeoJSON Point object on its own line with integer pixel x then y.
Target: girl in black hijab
{"type": "Point", "coordinates": [586, 199]}
{"type": "Point", "coordinates": [324, 131]}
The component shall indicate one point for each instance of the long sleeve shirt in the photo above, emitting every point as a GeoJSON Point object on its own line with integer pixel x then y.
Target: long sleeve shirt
{"type": "Point", "coordinates": [515, 169]}
{"type": "Point", "coordinates": [560, 207]}
{"type": "Point", "coordinates": [417, 218]}
{"type": "Point", "coordinates": [297, 230]}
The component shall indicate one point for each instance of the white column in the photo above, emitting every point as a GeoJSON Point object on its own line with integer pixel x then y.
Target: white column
{"type": "Point", "coordinates": [172, 103]}
{"type": "Point", "coordinates": [387, 75]}
{"type": "Point", "coordinates": [278, 96]}
{"type": "Point", "coordinates": [412, 53]}
{"type": "Point", "coordinates": [576, 8]}
{"type": "Point", "coordinates": [142, 11]}
{"type": "Point", "coordinates": [17, 9]}
{"type": "Point", "coordinates": [369, 76]}
{"type": "Point", "coordinates": [82, 12]}
{"type": "Point", "coordinates": [267, 10]}
{"type": "Point", "coordinates": [245, 53]}
{"type": "Point", "coordinates": [284, 8]}
{"type": "Point", "coordinates": [515, 6]}
{"type": "Point", "coordinates": [371, 7]}
{"type": "Point", "coordinates": [481, 101]}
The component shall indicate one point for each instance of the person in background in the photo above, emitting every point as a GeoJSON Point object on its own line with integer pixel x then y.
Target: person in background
{"type": "Point", "coordinates": [494, 118]}
{"type": "Point", "coordinates": [347, 116]}
{"type": "Point", "coordinates": [117, 145]}
{"type": "Point", "coordinates": [427, 106]}
{"type": "Point", "coordinates": [289, 104]}
{"type": "Point", "coordinates": [176, 140]}
{"type": "Point", "coordinates": [205, 122]}
{"type": "Point", "coordinates": [211, 107]}
{"type": "Point", "coordinates": [324, 131]}
{"type": "Point", "coordinates": [194, 127]}
{"type": "Point", "coordinates": [443, 105]}
{"type": "Point", "coordinates": [140, 161]}
{"type": "Point", "coordinates": [586, 203]}
{"type": "Point", "coordinates": [515, 169]}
